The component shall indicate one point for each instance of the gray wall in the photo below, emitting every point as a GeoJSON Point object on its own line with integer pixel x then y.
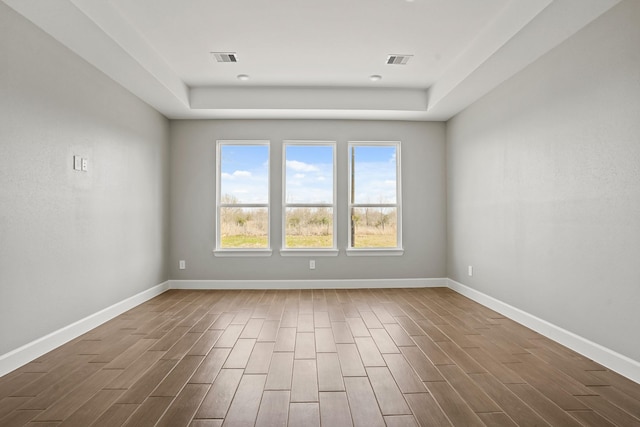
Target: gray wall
{"type": "Point", "coordinates": [544, 186]}
{"type": "Point", "coordinates": [73, 243]}
{"type": "Point", "coordinates": [193, 200]}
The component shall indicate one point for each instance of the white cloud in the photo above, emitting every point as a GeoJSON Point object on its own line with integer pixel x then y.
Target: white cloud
{"type": "Point", "coordinates": [236, 174]}
{"type": "Point", "coordinates": [301, 166]}
{"type": "Point", "coordinates": [299, 176]}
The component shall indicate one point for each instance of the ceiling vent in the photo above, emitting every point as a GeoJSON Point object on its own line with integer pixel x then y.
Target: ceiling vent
{"type": "Point", "coordinates": [398, 59]}
{"type": "Point", "coordinates": [225, 56]}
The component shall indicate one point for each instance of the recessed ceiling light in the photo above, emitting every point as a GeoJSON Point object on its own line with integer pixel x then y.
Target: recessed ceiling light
{"type": "Point", "coordinates": [243, 77]}
{"type": "Point", "coordinates": [375, 77]}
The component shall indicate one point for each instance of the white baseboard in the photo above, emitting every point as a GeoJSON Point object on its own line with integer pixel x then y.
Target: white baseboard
{"type": "Point", "coordinates": [615, 361]}
{"type": "Point", "coordinates": [28, 352]}
{"type": "Point", "coordinates": [308, 284]}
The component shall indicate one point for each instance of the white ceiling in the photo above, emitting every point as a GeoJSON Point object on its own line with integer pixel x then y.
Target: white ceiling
{"type": "Point", "coordinates": [311, 59]}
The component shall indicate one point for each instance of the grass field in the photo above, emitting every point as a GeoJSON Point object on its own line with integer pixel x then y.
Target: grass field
{"type": "Point", "coordinates": [243, 242]}
{"type": "Point", "coordinates": [309, 241]}
{"type": "Point", "coordinates": [240, 241]}
{"type": "Point", "coordinates": [256, 242]}
{"type": "Point", "coordinates": [376, 241]}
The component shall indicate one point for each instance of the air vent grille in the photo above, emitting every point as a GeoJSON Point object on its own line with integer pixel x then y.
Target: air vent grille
{"type": "Point", "coordinates": [225, 56]}
{"type": "Point", "coordinates": [398, 59]}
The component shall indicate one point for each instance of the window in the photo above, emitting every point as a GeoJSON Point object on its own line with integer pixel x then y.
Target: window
{"type": "Point", "coordinates": [309, 197]}
{"type": "Point", "coordinates": [242, 197]}
{"type": "Point", "coordinates": [374, 198]}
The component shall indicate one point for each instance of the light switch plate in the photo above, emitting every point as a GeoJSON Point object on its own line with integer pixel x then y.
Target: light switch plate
{"type": "Point", "coordinates": [77, 163]}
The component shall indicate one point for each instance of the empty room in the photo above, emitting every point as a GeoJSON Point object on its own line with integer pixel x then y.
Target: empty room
{"type": "Point", "coordinates": [320, 213]}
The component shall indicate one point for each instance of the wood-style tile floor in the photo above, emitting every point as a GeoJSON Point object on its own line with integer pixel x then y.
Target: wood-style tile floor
{"type": "Point", "coordinates": [395, 357]}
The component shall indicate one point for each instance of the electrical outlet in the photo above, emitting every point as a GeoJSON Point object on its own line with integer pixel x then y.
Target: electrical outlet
{"type": "Point", "coordinates": [312, 264]}
{"type": "Point", "coordinates": [182, 264]}
{"type": "Point", "coordinates": [84, 165]}
{"type": "Point", "coordinates": [470, 271]}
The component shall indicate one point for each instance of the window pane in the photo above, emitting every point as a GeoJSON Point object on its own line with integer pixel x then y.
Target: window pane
{"type": "Point", "coordinates": [244, 171]}
{"type": "Point", "coordinates": [309, 228]}
{"type": "Point", "coordinates": [374, 227]}
{"type": "Point", "coordinates": [375, 173]}
{"type": "Point", "coordinates": [309, 174]}
{"type": "Point", "coordinates": [244, 228]}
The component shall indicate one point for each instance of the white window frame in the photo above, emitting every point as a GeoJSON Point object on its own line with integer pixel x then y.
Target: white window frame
{"type": "Point", "coordinates": [398, 250]}
{"type": "Point", "coordinates": [219, 251]}
{"type": "Point", "coordinates": [284, 251]}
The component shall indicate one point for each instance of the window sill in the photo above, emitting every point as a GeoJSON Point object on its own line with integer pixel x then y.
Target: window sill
{"type": "Point", "coordinates": [309, 252]}
{"type": "Point", "coordinates": [376, 252]}
{"type": "Point", "coordinates": [242, 252]}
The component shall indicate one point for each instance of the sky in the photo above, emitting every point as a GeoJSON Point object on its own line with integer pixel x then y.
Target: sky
{"type": "Point", "coordinates": [309, 173]}
{"type": "Point", "coordinates": [375, 174]}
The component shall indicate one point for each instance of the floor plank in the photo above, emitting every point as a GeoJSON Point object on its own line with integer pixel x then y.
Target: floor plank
{"type": "Point", "coordinates": [404, 375]}
{"type": "Point", "coordinates": [421, 364]}
{"type": "Point", "coordinates": [383, 341]}
{"type": "Point", "coordinates": [240, 354]}
{"type": "Point", "coordinates": [357, 327]}
{"type": "Point", "coordinates": [260, 358]}
{"type": "Point", "coordinates": [341, 333]}
{"type": "Point", "coordinates": [116, 415]}
{"type": "Point", "coordinates": [324, 340]}
{"type": "Point", "coordinates": [350, 361]}
{"type": "Point", "coordinates": [400, 421]}
{"type": "Point", "coordinates": [329, 372]}
{"type": "Point", "coordinates": [426, 410]}
{"type": "Point", "coordinates": [274, 409]}
{"type": "Point", "coordinates": [245, 404]}
{"type": "Point", "coordinates": [218, 398]}
{"type": "Point", "coordinates": [304, 415]}
{"type": "Point", "coordinates": [91, 411]}
{"type": "Point", "coordinates": [182, 409]}
{"type": "Point", "coordinates": [304, 386]}
{"type": "Point", "coordinates": [178, 377]}
{"type": "Point", "coordinates": [362, 402]}
{"type": "Point", "coordinates": [387, 393]}
{"type": "Point", "coordinates": [453, 406]}
{"type": "Point", "coordinates": [286, 340]}
{"type": "Point", "coordinates": [149, 412]}
{"type": "Point", "coordinates": [334, 409]}
{"type": "Point", "coordinates": [210, 366]}
{"type": "Point", "coordinates": [280, 372]}
{"type": "Point", "coordinates": [369, 353]}
{"type": "Point", "coordinates": [305, 345]}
